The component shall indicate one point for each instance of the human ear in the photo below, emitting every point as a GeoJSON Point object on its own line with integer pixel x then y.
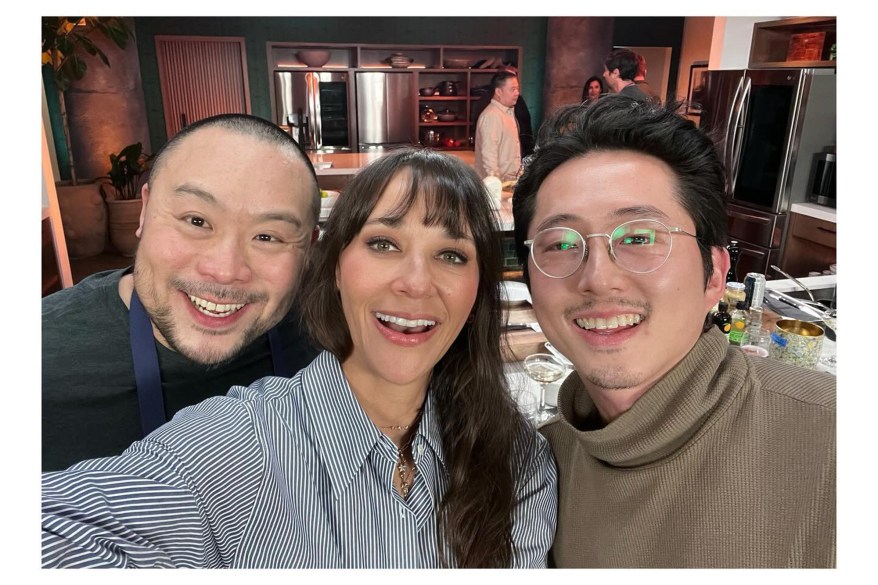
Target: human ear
{"type": "Point", "coordinates": [144, 194]}
{"type": "Point", "coordinates": [716, 281]}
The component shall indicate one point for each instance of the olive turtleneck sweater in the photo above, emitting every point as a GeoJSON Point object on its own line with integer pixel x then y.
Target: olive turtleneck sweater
{"type": "Point", "coordinates": [728, 461]}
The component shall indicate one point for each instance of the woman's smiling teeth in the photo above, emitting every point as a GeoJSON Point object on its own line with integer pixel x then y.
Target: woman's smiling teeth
{"type": "Point", "coordinates": [611, 323]}
{"type": "Point", "coordinates": [214, 309]}
{"type": "Point", "coordinates": [405, 325]}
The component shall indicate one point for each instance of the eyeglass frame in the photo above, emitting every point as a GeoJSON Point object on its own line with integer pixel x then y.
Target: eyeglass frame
{"type": "Point", "coordinates": [610, 251]}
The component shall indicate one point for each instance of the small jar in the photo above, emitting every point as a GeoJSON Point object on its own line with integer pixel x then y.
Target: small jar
{"type": "Point", "coordinates": [735, 292]}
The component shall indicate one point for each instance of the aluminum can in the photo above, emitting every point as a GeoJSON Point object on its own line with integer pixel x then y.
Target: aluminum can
{"type": "Point", "coordinates": [754, 288]}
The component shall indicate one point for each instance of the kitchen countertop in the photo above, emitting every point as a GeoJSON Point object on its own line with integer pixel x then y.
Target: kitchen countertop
{"type": "Point", "coordinates": [350, 163]}
{"type": "Point", "coordinates": [813, 210]}
{"type": "Point", "coordinates": [503, 212]}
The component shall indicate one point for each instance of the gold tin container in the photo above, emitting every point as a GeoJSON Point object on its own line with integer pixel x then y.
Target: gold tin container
{"type": "Point", "coordinates": [797, 342]}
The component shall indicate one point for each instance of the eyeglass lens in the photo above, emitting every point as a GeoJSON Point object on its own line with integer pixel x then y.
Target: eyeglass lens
{"type": "Point", "coordinates": [638, 246]}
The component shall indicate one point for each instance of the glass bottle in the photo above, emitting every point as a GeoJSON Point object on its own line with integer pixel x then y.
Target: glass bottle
{"type": "Point", "coordinates": [735, 292]}
{"type": "Point", "coordinates": [722, 319]}
{"type": "Point", "coordinates": [738, 334]}
{"type": "Point", "coordinates": [734, 252]}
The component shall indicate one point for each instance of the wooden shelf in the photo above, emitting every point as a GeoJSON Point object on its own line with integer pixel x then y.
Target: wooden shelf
{"type": "Point", "coordinates": [442, 98]}
{"type": "Point", "coordinates": [455, 123]}
{"type": "Point", "coordinates": [776, 43]}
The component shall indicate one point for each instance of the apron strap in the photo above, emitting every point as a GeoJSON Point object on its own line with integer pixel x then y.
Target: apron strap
{"type": "Point", "coordinates": [146, 368]}
{"type": "Point", "coordinates": [147, 374]}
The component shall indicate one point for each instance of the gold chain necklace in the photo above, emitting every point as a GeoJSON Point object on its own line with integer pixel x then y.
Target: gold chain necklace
{"type": "Point", "coordinates": [406, 473]}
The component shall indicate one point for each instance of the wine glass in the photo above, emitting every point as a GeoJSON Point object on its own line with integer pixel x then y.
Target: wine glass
{"type": "Point", "coordinates": [544, 369]}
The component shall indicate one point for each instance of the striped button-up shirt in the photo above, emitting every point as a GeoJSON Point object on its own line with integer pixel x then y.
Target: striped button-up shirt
{"type": "Point", "coordinates": [283, 473]}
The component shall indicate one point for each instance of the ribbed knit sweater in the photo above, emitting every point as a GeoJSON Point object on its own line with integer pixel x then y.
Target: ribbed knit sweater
{"type": "Point", "coordinates": [728, 461]}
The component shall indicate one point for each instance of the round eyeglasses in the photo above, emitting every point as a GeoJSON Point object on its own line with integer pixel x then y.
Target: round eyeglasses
{"type": "Point", "coordinates": [640, 246]}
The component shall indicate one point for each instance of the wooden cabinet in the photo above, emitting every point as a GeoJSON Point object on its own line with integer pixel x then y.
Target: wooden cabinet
{"type": "Point", "coordinates": [810, 245]}
{"type": "Point", "coordinates": [468, 67]}
{"type": "Point", "coordinates": [794, 42]}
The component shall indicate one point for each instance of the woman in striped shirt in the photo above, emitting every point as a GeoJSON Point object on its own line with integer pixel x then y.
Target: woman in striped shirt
{"type": "Point", "coordinates": [399, 446]}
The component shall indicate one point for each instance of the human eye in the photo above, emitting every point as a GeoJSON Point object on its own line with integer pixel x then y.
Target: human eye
{"type": "Point", "coordinates": [634, 237]}
{"type": "Point", "coordinates": [196, 221]}
{"type": "Point", "coordinates": [558, 241]}
{"type": "Point", "coordinates": [381, 244]}
{"type": "Point", "coordinates": [267, 238]}
{"type": "Point", "coordinates": [453, 257]}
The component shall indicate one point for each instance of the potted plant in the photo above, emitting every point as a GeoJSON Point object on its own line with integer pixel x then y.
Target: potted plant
{"type": "Point", "coordinates": [127, 174]}
{"type": "Point", "coordinates": [68, 44]}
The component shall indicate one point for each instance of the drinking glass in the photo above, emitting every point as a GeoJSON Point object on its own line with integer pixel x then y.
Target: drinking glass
{"type": "Point", "coordinates": [543, 368]}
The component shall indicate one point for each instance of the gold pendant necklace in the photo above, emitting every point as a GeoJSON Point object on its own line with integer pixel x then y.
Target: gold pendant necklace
{"type": "Point", "coordinates": [406, 473]}
{"type": "Point", "coordinates": [406, 479]}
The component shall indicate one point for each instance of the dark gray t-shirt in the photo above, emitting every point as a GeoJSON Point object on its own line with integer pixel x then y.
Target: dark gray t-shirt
{"type": "Point", "coordinates": [89, 397]}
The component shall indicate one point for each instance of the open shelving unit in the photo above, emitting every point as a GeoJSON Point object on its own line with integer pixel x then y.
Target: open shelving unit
{"type": "Point", "coordinates": [429, 67]}
{"type": "Point", "coordinates": [794, 42]}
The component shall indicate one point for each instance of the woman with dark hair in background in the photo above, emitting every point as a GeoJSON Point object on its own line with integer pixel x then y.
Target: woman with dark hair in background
{"type": "Point", "coordinates": [399, 446]}
{"type": "Point", "coordinates": [593, 88]}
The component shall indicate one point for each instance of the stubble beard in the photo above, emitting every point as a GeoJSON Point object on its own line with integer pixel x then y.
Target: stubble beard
{"type": "Point", "coordinates": [610, 377]}
{"type": "Point", "coordinates": [162, 317]}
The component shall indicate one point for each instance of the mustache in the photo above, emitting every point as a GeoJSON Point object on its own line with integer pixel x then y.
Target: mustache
{"type": "Point", "coordinates": [642, 306]}
{"type": "Point", "coordinates": [221, 293]}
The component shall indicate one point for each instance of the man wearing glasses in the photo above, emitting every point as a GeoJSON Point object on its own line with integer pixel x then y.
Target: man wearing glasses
{"type": "Point", "coordinates": [673, 448]}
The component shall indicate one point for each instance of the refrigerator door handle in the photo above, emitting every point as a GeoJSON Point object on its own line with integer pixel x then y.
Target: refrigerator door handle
{"type": "Point", "coordinates": [738, 144]}
{"type": "Point", "coordinates": [312, 101]}
{"type": "Point", "coordinates": [729, 135]}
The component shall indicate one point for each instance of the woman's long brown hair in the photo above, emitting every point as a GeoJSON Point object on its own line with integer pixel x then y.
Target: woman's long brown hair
{"type": "Point", "coordinates": [478, 419]}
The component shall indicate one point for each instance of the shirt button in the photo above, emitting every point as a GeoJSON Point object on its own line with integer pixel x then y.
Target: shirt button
{"type": "Point", "coordinates": [401, 511]}
{"type": "Point", "coordinates": [421, 449]}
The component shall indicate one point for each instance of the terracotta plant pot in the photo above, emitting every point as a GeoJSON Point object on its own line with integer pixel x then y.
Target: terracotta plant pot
{"type": "Point", "coordinates": [84, 217]}
{"type": "Point", "coordinates": [124, 217]}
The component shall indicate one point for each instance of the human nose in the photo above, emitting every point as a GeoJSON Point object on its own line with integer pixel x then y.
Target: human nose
{"type": "Point", "coordinates": [224, 261]}
{"type": "Point", "coordinates": [414, 277]}
{"type": "Point", "coordinates": [598, 272]}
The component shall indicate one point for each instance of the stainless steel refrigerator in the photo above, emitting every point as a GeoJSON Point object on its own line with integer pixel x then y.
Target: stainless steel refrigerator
{"type": "Point", "coordinates": [315, 107]}
{"type": "Point", "coordinates": [385, 109]}
{"type": "Point", "coordinates": [767, 124]}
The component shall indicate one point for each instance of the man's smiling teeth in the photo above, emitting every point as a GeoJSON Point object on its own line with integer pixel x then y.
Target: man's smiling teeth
{"type": "Point", "coordinates": [405, 322]}
{"type": "Point", "coordinates": [611, 323]}
{"type": "Point", "coordinates": [214, 309]}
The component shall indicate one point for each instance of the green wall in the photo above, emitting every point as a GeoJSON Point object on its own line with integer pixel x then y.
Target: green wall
{"type": "Point", "coordinates": [527, 32]}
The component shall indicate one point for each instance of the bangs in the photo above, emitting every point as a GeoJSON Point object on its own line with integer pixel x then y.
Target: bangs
{"type": "Point", "coordinates": [444, 200]}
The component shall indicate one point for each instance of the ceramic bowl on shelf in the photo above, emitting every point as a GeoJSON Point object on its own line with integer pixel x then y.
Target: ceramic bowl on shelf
{"type": "Point", "coordinates": [447, 117]}
{"type": "Point", "coordinates": [399, 61]}
{"type": "Point", "coordinates": [427, 91]}
{"type": "Point", "coordinates": [314, 57]}
{"type": "Point", "coordinates": [456, 63]}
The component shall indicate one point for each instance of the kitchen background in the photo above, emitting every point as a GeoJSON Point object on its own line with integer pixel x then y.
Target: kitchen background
{"type": "Point", "coordinates": [530, 33]}
{"type": "Point", "coordinates": [554, 56]}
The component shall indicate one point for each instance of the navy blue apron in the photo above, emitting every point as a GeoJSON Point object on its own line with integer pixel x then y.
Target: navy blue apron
{"type": "Point", "coordinates": [147, 375]}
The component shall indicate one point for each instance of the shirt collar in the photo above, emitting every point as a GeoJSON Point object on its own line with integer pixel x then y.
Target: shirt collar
{"type": "Point", "coordinates": [504, 109]}
{"type": "Point", "coordinates": [343, 434]}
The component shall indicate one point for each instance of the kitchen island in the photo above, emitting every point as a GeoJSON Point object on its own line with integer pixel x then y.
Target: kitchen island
{"type": "Point", "coordinates": [347, 164]}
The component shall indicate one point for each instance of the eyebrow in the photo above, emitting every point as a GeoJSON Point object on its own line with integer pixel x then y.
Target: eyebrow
{"type": "Point", "coordinates": [187, 189]}
{"type": "Point", "coordinates": [395, 221]}
{"type": "Point", "coordinates": [644, 211]}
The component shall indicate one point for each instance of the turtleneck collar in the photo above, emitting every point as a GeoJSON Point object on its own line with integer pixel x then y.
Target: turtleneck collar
{"type": "Point", "coordinates": [667, 416]}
